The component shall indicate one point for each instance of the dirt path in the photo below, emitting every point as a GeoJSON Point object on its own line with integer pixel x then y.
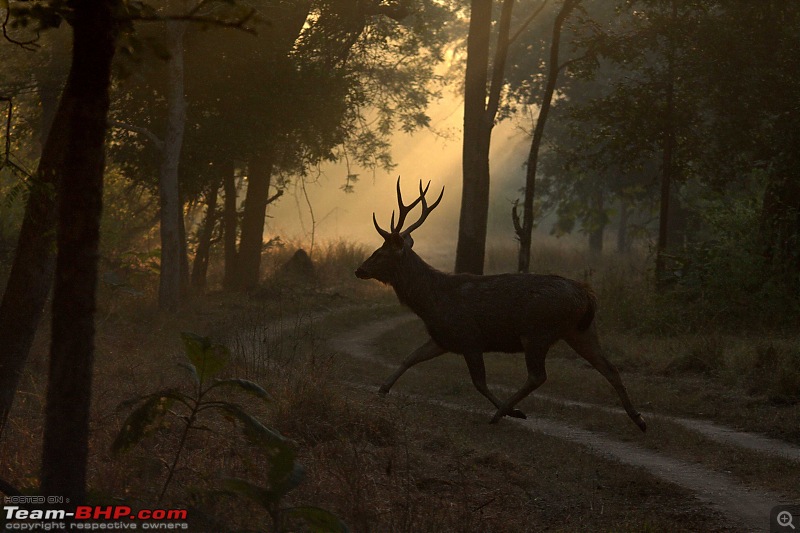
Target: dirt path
{"type": "Point", "coordinates": [359, 344]}
{"type": "Point", "coordinates": [746, 509]}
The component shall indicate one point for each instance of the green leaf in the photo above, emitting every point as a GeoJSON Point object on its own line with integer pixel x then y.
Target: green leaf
{"type": "Point", "coordinates": [141, 421]}
{"type": "Point", "coordinates": [192, 371]}
{"type": "Point", "coordinates": [246, 386]}
{"type": "Point", "coordinates": [281, 481]}
{"type": "Point", "coordinates": [318, 520]}
{"type": "Point", "coordinates": [208, 357]}
{"type": "Point", "coordinates": [254, 430]}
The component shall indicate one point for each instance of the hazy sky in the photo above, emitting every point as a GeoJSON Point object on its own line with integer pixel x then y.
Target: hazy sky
{"type": "Point", "coordinates": [434, 155]}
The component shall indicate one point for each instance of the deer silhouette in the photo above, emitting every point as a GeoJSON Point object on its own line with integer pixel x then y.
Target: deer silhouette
{"type": "Point", "coordinates": [471, 314]}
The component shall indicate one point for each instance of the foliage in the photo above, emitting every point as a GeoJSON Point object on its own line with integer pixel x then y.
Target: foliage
{"type": "Point", "coordinates": [206, 360]}
{"type": "Point", "coordinates": [724, 268]}
{"type": "Point", "coordinates": [319, 82]}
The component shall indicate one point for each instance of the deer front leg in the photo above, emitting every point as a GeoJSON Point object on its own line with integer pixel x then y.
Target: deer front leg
{"type": "Point", "coordinates": [477, 371]}
{"type": "Point", "coordinates": [427, 351]}
{"type": "Point", "coordinates": [534, 360]}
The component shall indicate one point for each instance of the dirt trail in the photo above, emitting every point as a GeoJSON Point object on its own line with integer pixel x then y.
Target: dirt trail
{"type": "Point", "coordinates": [744, 508]}
{"type": "Point", "coordinates": [359, 346]}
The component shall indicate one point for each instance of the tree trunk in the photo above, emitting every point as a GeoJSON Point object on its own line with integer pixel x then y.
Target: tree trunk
{"type": "Point", "coordinates": [169, 288]}
{"type": "Point", "coordinates": [230, 224]}
{"type": "Point", "coordinates": [203, 252]}
{"type": "Point", "coordinates": [599, 226]}
{"type": "Point", "coordinates": [470, 250]}
{"type": "Point", "coordinates": [623, 241]}
{"type": "Point", "coordinates": [66, 431]}
{"type": "Point", "coordinates": [667, 154]}
{"type": "Point", "coordinates": [185, 285]}
{"type": "Point", "coordinates": [31, 273]}
{"type": "Point", "coordinates": [524, 228]}
{"type": "Point", "coordinates": [259, 178]}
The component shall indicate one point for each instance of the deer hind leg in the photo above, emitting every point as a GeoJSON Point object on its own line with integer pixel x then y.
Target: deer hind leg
{"type": "Point", "coordinates": [427, 351]}
{"type": "Point", "coordinates": [535, 354]}
{"type": "Point", "coordinates": [587, 345]}
{"type": "Point", "coordinates": [477, 371]}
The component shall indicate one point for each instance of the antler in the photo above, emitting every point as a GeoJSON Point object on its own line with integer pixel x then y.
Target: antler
{"type": "Point", "coordinates": [405, 209]}
{"type": "Point", "coordinates": [425, 209]}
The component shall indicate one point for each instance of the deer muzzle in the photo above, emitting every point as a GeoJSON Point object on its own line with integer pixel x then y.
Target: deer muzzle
{"type": "Point", "coordinates": [362, 274]}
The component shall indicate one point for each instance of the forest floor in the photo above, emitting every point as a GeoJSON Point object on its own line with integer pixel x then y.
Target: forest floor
{"type": "Point", "coordinates": [709, 475]}
{"type": "Point", "coordinates": [424, 458]}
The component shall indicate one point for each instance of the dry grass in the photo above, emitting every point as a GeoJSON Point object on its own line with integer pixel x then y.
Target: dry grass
{"type": "Point", "coordinates": [389, 466]}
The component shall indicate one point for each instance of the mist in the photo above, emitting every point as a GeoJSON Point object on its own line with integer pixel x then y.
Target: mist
{"type": "Point", "coordinates": [429, 154]}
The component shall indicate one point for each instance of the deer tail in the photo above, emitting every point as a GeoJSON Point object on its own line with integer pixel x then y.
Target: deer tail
{"type": "Point", "coordinates": [588, 317]}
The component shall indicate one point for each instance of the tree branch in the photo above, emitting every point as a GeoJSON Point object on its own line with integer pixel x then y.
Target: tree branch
{"type": "Point", "coordinates": [574, 60]}
{"type": "Point", "coordinates": [159, 144]}
{"type": "Point", "coordinates": [275, 196]}
{"type": "Point", "coordinates": [527, 22]}
{"type": "Point", "coordinates": [239, 24]}
{"type": "Point", "coordinates": [30, 46]}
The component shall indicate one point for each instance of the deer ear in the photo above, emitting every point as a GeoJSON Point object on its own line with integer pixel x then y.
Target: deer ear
{"type": "Point", "coordinates": [396, 240]}
{"type": "Point", "coordinates": [409, 241]}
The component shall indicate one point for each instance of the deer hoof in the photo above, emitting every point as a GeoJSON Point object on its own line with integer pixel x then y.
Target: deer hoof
{"type": "Point", "coordinates": [639, 421]}
{"type": "Point", "coordinates": [496, 418]}
{"type": "Point", "coordinates": [516, 413]}
{"type": "Point", "coordinates": [384, 390]}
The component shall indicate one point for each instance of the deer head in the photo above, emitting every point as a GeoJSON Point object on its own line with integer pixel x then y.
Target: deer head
{"type": "Point", "coordinates": [384, 262]}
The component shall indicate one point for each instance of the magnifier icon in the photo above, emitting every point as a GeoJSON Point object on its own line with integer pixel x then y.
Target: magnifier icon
{"type": "Point", "coordinates": [785, 519]}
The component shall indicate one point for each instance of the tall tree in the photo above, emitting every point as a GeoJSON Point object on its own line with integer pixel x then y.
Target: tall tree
{"type": "Point", "coordinates": [481, 104]}
{"type": "Point", "coordinates": [474, 213]}
{"type": "Point", "coordinates": [172, 241]}
{"type": "Point", "coordinates": [31, 271]}
{"type": "Point", "coordinates": [82, 111]}
{"type": "Point", "coordinates": [524, 225]}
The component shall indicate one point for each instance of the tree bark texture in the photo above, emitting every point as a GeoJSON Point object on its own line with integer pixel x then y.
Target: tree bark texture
{"type": "Point", "coordinates": [524, 228]}
{"type": "Point", "coordinates": [203, 252]}
{"type": "Point", "coordinates": [169, 287]}
{"type": "Point", "coordinates": [259, 179]}
{"type": "Point", "coordinates": [470, 250]}
{"type": "Point", "coordinates": [65, 449]}
{"type": "Point", "coordinates": [31, 272]}
{"type": "Point", "coordinates": [230, 225]}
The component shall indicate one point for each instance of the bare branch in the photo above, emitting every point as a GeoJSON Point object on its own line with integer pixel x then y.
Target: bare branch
{"type": "Point", "coordinates": [527, 22]}
{"type": "Point", "coordinates": [515, 218]}
{"type": "Point", "coordinates": [30, 45]}
{"type": "Point", "coordinates": [275, 196]}
{"type": "Point", "coordinates": [191, 16]}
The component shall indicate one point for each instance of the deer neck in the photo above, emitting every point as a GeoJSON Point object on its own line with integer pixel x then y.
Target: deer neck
{"type": "Point", "coordinates": [417, 284]}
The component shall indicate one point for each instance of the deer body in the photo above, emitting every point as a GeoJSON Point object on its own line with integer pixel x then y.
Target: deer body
{"type": "Point", "coordinates": [470, 314]}
{"type": "Point", "coordinates": [465, 312]}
